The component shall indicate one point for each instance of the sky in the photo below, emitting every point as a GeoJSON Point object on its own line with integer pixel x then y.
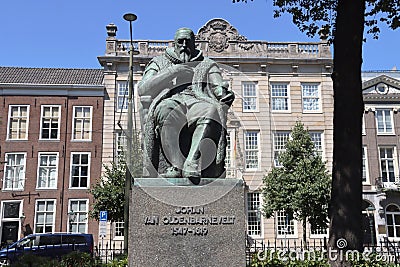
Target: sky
{"type": "Point", "coordinates": [72, 33]}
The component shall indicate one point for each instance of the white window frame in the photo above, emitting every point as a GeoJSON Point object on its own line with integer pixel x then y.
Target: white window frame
{"type": "Point", "coordinates": [255, 230]}
{"type": "Point", "coordinates": [40, 154]}
{"type": "Point", "coordinates": [292, 224]}
{"type": "Point", "coordinates": [365, 168]}
{"type": "Point", "coordinates": [386, 159]}
{"type": "Point", "coordinates": [122, 96]}
{"type": "Point", "coordinates": [22, 177]}
{"type": "Point", "coordinates": [82, 119]}
{"type": "Point", "coordinates": [318, 98]}
{"type": "Point", "coordinates": [249, 108]}
{"type": "Point", "coordinates": [45, 213]}
{"type": "Point", "coordinates": [287, 97]}
{"type": "Point", "coordinates": [392, 214]}
{"type": "Point", "coordinates": [319, 235]}
{"type": "Point", "coordinates": [81, 218]}
{"type": "Point", "coordinates": [320, 149]}
{"type": "Point", "coordinates": [19, 118]}
{"type": "Point", "coordinates": [20, 212]}
{"type": "Point", "coordinates": [121, 143]}
{"type": "Point", "coordinates": [363, 132]}
{"type": "Point", "coordinates": [117, 226]}
{"type": "Point", "coordinates": [51, 119]}
{"type": "Point", "coordinates": [385, 131]}
{"type": "Point", "coordinates": [80, 165]}
{"type": "Point", "coordinates": [279, 148]}
{"type": "Point", "coordinates": [249, 150]}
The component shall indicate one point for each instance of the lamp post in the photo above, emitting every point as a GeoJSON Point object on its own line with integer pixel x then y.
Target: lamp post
{"type": "Point", "coordinates": [22, 220]}
{"type": "Point", "coordinates": [128, 178]}
{"type": "Point", "coordinates": [370, 212]}
{"type": "Point", "coordinates": [71, 219]}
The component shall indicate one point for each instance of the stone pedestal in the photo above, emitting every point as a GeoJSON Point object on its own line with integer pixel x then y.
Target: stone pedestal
{"type": "Point", "coordinates": [177, 224]}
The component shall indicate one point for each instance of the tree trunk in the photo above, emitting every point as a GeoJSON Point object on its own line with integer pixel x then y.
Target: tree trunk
{"type": "Point", "coordinates": [346, 196]}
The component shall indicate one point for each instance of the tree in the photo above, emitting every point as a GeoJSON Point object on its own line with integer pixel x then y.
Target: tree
{"type": "Point", "coordinates": [301, 187]}
{"type": "Point", "coordinates": [108, 193]}
{"type": "Point", "coordinates": [344, 22]}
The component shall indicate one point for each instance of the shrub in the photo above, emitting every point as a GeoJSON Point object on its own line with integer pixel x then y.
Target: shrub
{"type": "Point", "coordinates": [31, 260]}
{"type": "Point", "coordinates": [120, 261]}
{"type": "Point", "coordinates": [77, 259]}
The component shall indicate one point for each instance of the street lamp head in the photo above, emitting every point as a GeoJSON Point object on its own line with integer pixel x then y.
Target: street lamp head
{"type": "Point", "coordinates": [22, 218]}
{"type": "Point", "coordinates": [130, 17]}
{"type": "Point", "coordinates": [370, 210]}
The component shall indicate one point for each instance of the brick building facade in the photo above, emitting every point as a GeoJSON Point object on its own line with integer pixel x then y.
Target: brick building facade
{"type": "Point", "coordinates": [50, 149]}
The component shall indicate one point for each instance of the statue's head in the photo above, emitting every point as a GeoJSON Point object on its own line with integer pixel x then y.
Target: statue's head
{"type": "Point", "coordinates": [184, 44]}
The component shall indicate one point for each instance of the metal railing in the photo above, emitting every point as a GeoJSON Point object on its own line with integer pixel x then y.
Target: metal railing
{"type": "Point", "coordinates": [388, 183]}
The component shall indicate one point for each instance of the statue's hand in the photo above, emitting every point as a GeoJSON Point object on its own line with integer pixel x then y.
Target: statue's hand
{"type": "Point", "coordinates": [228, 98]}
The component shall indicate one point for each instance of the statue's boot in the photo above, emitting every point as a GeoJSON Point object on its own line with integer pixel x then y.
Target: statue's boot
{"type": "Point", "coordinates": [204, 132]}
{"type": "Point", "coordinates": [171, 150]}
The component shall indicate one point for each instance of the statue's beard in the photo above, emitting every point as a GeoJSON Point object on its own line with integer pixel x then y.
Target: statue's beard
{"type": "Point", "coordinates": [184, 56]}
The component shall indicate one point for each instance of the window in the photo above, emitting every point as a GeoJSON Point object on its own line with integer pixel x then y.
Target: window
{"type": "Point", "coordinates": [364, 165]}
{"type": "Point", "coordinates": [82, 121]}
{"type": "Point", "coordinates": [80, 170]}
{"type": "Point", "coordinates": [18, 122]}
{"type": "Point", "coordinates": [393, 221]}
{"type": "Point", "coordinates": [318, 232]}
{"type": "Point", "coordinates": [47, 170]}
{"type": "Point", "coordinates": [251, 149]}
{"type": "Point", "coordinates": [280, 139]}
{"type": "Point", "coordinates": [387, 159]}
{"type": "Point", "coordinates": [118, 230]}
{"type": "Point", "coordinates": [279, 97]}
{"type": "Point", "coordinates": [311, 98]}
{"type": "Point", "coordinates": [50, 123]}
{"type": "Point", "coordinates": [384, 121]}
{"type": "Point", "coordinates": [285, 227]}
{"type": "Point", "coordinates": [121, 144]}
{"type": "Point", "coordinates": [14, 175]}
{"type": "Point", "coordinates": [44, 216]}
{"type": "Point", "coordinates": [249, 96]}
{"type": "Point", "coordinates": [122, 95]}
{"type": "Point", "coordinates": [79, 207]}
{"type": "Point", "coordinates": [253, 214]}
{"type": "Point", "coordinates": [11, 210]}
{"type": "Point", "coordinates": [316, 138]}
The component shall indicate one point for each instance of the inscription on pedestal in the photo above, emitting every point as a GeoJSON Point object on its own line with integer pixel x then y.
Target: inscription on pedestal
{"type": "Point", "coordinates": [189, 221]}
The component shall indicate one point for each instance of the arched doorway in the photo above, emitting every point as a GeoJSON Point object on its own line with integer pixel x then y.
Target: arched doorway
{"type": "Point", "coordinates": [368, 223]}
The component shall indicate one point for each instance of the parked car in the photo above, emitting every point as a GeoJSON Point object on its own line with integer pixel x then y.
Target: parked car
{"type": "Point", "coordinates": [53, 245]}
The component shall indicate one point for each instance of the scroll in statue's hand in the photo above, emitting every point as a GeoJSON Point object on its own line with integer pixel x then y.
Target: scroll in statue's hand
{"type": "Point", "coordinates": [183, 73]}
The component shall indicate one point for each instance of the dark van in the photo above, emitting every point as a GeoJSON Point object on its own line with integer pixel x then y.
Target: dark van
{"type": "Point", "coordinates": [53, 245]}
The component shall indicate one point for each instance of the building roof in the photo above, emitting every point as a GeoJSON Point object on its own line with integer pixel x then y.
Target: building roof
{"type": "Point", "coordinates": [21, 75]}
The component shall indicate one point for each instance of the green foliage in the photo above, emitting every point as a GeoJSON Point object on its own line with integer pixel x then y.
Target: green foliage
{"type": "Point", "coordinates": [29, 259]}
{"type": "Point", "coordinates": [275, 259]}
{"type": "Point", "coordinates": [108, 193]}
{"type": "Point", "coordinates": [119, 262]}
{"type": "Point", "coordinates": [319, 16]}
{"type": "Point", "coordinates": [313, 259]}
{"type": "Point", "coordinates": [77, 259]}
{"type": "Point", "coordinates": [301, 187]}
